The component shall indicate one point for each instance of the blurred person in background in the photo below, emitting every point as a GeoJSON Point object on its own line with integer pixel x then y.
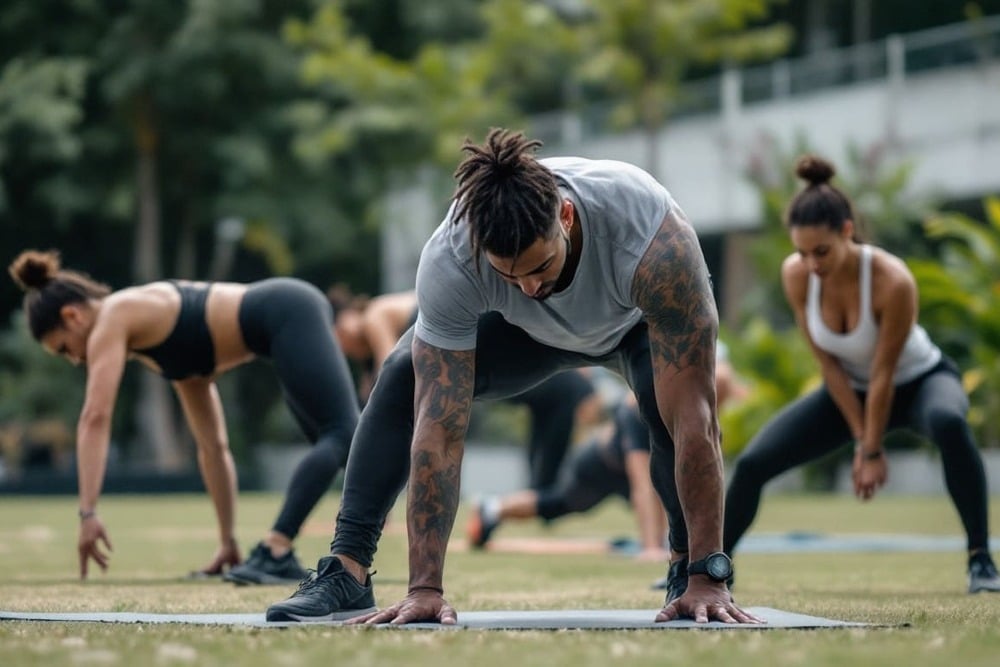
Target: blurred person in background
{"type": "Point", "coordinates": [368, 330]}
{"type": "Point", "coordinates": [614, 462]}
{"type": "Point", "coordinates": [857, 306]}
{"type": "Point", "coordinates": [191, 332]}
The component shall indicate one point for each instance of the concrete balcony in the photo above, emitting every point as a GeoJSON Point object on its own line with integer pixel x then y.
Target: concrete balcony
{"type": "Point", "coordinates": [932, 97]}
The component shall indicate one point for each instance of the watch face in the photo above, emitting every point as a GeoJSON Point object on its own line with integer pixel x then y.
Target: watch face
{"type": "Point", "coordinates": [719, 566]}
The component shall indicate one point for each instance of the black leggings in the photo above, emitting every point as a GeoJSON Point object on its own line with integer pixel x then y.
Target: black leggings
{"type": "Point", "coordinates": [290, 322]}
{"type": "Point", "coordinates": [508, 362]}
{"type": "Point", "coordinates": [598, 470]}
{"type": "Point", "coordinates": [934, 405]}
{"type": "Point", "coordinates": [552, 406]}
{"type": "Point", "coordinates": [587, 481]}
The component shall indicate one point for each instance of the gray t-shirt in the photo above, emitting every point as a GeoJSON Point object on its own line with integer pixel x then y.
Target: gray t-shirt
{"type": "Point", "coordinates": [620, 208]}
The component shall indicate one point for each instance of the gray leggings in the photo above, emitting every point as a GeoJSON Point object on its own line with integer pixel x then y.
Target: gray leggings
{"type": "Point", "coordinates": [508, 362]}
{"type": "Point", "coordinates": [290, 322]}
{"type": "Point", "coordinates": [933, 405]}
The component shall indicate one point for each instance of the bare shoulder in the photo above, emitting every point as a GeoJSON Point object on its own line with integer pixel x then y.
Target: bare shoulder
{"type": "Point", "coordinates": [794, 278]}
{"type": "Point", "coordinates": [394, 304]}
{"type": "Point", "coordinates": [141, 312]}
{"type": "Point", "coordinates": [890, 268]}
{"type": "Point", "coordinates": [892, 280]}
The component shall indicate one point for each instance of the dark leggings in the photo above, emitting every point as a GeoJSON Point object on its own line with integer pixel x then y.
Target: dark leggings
{"type": "Point", "coordinates": [289, 321]}
{"type": "Point", "coordinates": [588, 480]}
{"type": "Point", "coordinates": [552, 406]}
{"type": "Point", "coordinates": [933, 405]}
{"type": "Point", "coordinates": [508, 362]}
{"type": "Point", "coordinates": [598, 470]}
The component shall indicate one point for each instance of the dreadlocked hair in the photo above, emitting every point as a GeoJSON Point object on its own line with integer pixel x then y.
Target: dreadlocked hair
{"type": "Point", "coordinates": [507, 197]}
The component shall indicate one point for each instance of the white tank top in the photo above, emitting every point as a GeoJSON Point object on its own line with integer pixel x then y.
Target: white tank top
{"type": "Point", "coordinates": [855, 349]}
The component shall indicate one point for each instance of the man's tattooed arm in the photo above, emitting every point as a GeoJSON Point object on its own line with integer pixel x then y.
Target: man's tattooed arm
{"type": "Point", "coordinates": [673, 290]}
{"type": "Point", "coordinates": [442, 402]}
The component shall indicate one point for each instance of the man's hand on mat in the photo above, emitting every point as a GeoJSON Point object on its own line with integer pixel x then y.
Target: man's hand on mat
{"type": "Point", "coordinates": [227, 555]}
{"type": "Point", "coordinates": [704, 602]}
{"type": "Point", "coordinates": [419, 605]}
{"type": "Point", "coordinates": [91, 532]}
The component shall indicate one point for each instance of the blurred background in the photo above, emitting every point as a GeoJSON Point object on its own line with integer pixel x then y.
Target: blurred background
{"type": "Point", "coordinates": [242, 139]}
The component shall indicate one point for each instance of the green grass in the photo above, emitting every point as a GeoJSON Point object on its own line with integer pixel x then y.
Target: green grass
{"type": "Point", "coordinates": [159, 538]}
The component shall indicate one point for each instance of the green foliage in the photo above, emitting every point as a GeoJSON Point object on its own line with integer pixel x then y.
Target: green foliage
{"type": "Point", "coordinates": [641, 50]}
{"type": "Point", "coordinates": [35, 384]}
{"type": "Point", "coordinates": [400, 113]}
{"type": "Point", "coordinates": [960, 305]}
{"type": "Point", "coordinates": [776, 366]}
{"type": "Point", "coordinates": [39, 114]}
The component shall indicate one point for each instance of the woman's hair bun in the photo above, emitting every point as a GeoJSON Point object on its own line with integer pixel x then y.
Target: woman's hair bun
{"type": "Point", "coordinates": [34, 269]}
{"type": "Point", "coordinates": [814, 169]}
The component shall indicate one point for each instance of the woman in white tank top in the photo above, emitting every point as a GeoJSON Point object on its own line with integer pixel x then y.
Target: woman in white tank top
{"type": "Point", "coordinates": [857, 306]}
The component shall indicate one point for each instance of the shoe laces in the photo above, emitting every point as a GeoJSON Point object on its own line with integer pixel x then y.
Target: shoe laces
{"type": "Point", "coordinates": [327, 584]}
{"type": "Point", "coordinates": [310, 581]}
{"type": "Point", "coordinates": [676, 577]}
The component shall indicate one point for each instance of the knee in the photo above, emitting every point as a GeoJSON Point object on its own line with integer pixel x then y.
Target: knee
{"type": "Point", "coordinates": [748, 469]}
{"type": "Point", "coordinates": [396, 375]}
{"type": "Point", "coordinates": [213, 451]}
{"type": "Point", "coordinates": [947, 427]}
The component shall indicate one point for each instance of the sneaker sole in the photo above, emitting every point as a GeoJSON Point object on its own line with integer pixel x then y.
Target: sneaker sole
{"type": "Point", "coordinates": [286, 617]}
{"type": "Point", "coordinates": [260, 580]}
{"type": "Point", "coordinates": [983, 589]}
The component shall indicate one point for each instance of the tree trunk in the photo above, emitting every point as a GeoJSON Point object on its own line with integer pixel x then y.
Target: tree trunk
{"type": "Point", "coordinates": [156, 426]}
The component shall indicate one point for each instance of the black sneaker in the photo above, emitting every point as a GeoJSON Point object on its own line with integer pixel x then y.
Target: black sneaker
{"type": "Point", "coordinates": [676, 581]}
{"type": "Point", "coordinates": [983, 573]}
{"type": "Point", "coordinates": [330, 593]}
{"type": "Point", "coordinates": [263, 568]}
{"type": "Point", "coordinates": [478, 530]}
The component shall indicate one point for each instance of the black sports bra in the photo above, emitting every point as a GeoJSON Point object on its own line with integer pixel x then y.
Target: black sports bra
{"type": "Point", "coordinates": [188, 350]}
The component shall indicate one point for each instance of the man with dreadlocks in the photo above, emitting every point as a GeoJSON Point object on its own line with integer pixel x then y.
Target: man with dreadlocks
{"type": "Point", "coordinates": [539, 266]}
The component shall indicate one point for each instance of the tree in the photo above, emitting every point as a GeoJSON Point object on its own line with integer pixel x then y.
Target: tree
{"type": "Point", "coordinates": [641, 51]}
{"type": "Point", "coordinates": [960, 305]}
{"type": "Point", "coordinates": [147, 122]}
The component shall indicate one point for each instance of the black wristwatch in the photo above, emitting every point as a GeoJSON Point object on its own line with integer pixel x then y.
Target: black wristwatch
{"type": "Point", "coordinates": [718, 566]}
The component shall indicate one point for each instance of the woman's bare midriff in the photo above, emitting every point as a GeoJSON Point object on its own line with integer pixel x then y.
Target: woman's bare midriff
{"type": "Point", "coordinates": [222, 312]}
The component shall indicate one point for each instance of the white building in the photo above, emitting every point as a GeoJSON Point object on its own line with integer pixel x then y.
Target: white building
{"type": "Point", "coordinates": [931, 97]}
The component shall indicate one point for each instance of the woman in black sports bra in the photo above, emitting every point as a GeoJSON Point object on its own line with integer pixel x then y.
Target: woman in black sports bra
{"type": "Point", "coordinates": [190, 333]}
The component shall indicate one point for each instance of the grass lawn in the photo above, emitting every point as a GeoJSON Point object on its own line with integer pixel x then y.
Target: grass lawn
{"type": "Point", "coordinates": [158, 539]}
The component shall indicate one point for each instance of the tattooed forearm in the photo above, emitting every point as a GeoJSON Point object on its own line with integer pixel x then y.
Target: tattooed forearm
{"type": "Point", "coordinates": [432, 502]}
{"type": "Point", "coordinates": [673, 290]}
{"type": "Point", "coordinates": [443, 399]}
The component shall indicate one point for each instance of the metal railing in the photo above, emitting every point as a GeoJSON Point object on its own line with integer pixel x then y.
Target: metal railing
{"type": "Point", "coordinates": [891, 59]}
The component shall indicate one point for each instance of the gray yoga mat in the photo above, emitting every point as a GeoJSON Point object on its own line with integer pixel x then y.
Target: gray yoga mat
{"type": "Point", "coordinates": [803, 541]}
{"type": "Point", "coordinates": [611, 619]}
{"type": "Point", "coordinates": [808, 542]}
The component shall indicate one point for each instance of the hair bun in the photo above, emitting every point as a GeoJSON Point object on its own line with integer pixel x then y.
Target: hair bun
{"type": "Point", "coordinates": [34, 269]}
{"type": "Point", "coordinates": [815, 170]}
